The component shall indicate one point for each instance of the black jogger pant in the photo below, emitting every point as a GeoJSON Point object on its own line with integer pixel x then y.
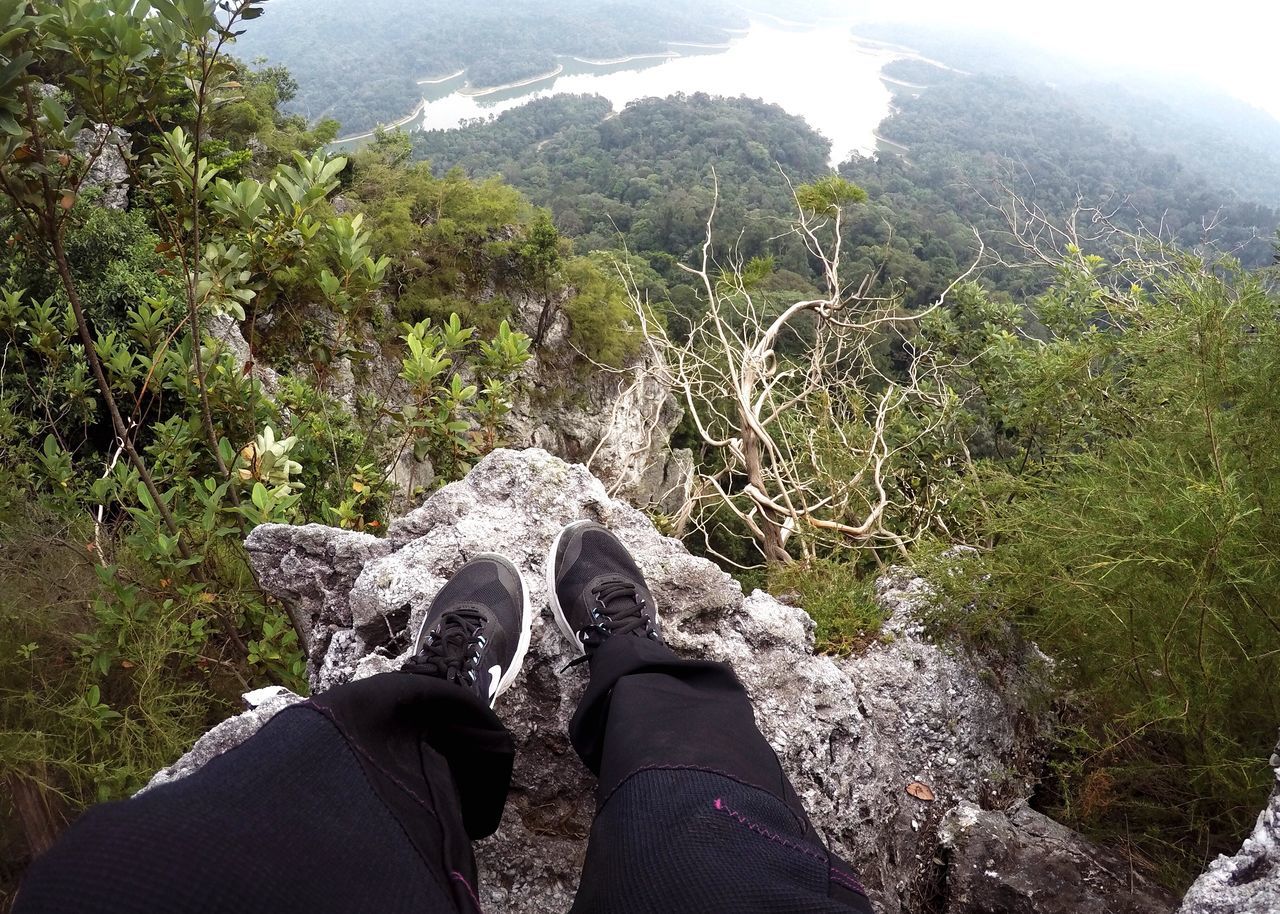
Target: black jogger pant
{"type": "Point", "coordinates": [366, 797]}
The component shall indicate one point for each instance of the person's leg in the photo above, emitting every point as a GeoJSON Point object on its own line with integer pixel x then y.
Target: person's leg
{"type": "Point", "coordinates": [694, 812]}
{"type": "Point", "coordinates": [361, 798]}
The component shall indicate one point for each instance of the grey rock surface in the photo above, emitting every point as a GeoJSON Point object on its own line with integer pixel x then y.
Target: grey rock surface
{"type": "Point", "coordinates": [1022, 862]}
{"type": "Point", "coordinates": [263, 705]}
{"type": "Point", "coordinates": [852, 733]}
{"type": "Point", "coordinates": [107, 150]}
{"type": "Point", "coordinates": [1249, 881]}
{"type": "Point", "coordinates": [225, 329]}
{"type": "Point", "coordinates": [311, 569]}
{"type": "Point", "coordinates": [617, 423]}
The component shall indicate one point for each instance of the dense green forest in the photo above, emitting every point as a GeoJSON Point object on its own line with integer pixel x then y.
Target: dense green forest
{"type": "Point", "coordinates": [644, 177]}
{"type": "Point", "coordinates": [359, 61]}
{"type": "Point", "coordinates": [1223, 140]}
{"type": "Point", "coordinates": [1095, 420]}
{"type": "Point", "coordinates": [976, 139]}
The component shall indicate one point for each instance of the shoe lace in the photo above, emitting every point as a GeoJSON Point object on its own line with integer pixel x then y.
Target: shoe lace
{"type": "Point", "coordinates": [618, 610]}
{"type": "Point", "coordinates": [452, 650]}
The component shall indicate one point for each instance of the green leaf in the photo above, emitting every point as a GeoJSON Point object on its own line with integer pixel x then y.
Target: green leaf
{"type": "Point", "coordinates": [54, 111]}
{"type": "Point", "coordinates": [8, 36]}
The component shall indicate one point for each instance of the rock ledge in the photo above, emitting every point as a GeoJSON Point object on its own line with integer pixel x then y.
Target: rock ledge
{"type": "Point", "coordinates": [852, 733]}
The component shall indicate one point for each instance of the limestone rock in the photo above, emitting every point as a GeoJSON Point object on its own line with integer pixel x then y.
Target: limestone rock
{"type": "Point", "coordinates": [311, 570]}
{"type": "Point", "coordinates": [1249, 882]}
{"type": "Point", "coordinates": [618, 423]}
{"type": "Point", "coordinates": [263, 705]}
{"type": "Point", "coordinates": [225, 330]}
{"type": "Point", "coordinates": [108, 169]}
{"type": "Point", "coordinates": [1022, 862]}
{"type": "Point", "coordinates": [852, 733]}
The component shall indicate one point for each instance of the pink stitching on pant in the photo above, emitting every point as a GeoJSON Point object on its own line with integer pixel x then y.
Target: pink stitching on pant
{"type": "Point", "coordinates": [761, 830]}
{"type": "Point", "coordinates": [458, 877]}
{"type": "Point", "coordinates": [764, 832]}
{"type": "Point", "coordinates": [724, 774]}
{"type": "Point", "coordinates": [846, 880]}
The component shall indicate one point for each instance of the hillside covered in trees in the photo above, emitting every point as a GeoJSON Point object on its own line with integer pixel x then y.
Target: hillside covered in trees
{"type": "Point", "coordinates": [644, 178]}
{"type": "Point", "coordinates": [359, 61]}
{"type": "Point", "coordinates": [1216, 137]}
{"type": "Point", "coordinates": [1031, 327]}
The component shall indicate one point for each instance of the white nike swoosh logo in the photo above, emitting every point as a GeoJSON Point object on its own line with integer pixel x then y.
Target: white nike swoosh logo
{"type": "Point", "coordinates": [495, 676]}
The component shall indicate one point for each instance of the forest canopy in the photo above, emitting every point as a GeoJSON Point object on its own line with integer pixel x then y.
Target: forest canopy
{"type": "Point", "coordinates": [359, 61]}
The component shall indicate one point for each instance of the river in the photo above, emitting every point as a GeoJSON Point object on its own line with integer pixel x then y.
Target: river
{"type": "Point", "coordinates": [820, 72]}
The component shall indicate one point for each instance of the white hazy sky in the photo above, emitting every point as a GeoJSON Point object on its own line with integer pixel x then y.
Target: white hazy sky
{"type": "Point", "coordinates": [1231, 44]}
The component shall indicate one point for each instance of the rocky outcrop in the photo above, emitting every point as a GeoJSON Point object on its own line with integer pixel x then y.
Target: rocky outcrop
{"type": "Point", "coordinates": [617, 423]}
{"type": "Point", "coordinates": [1021, 862]}
{"type": "Point", "coordinates": [106, 150]}
{"type": "Point", "coordinates": [225, 330]}
{"type": "Point", "coordinates": [860, 737]}
{"type": "Point", "coordinates": [1249, 881]}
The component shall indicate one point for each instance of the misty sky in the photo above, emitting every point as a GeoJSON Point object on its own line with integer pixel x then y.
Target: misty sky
{"type": "Point", "coordinates": [1231, 44]}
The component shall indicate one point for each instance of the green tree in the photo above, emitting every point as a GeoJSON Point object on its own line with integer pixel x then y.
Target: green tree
{"type": "Point", "coordinates": [139, 446]}
{"type": "Point", "coordinates": [541, 257]}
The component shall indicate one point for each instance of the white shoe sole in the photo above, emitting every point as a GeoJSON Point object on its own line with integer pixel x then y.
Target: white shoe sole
{"type": "Point", "coordinates": [557, 612]}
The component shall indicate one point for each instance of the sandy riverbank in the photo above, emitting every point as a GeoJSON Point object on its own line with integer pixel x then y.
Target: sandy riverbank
{"type": "Point", "coordinates": [394, 125]}
{"type": "Point", "coordinates": [901, 82]}
{"type": "Point", "coordinates": [722, 46]}
{"type": "Point", "coordinates": [904, 53]}
{"type": "Point", "coordinates": [519, 84]}
{"type": "Point", "coordinates": [898, 148]}
{"type": "Point", "coordinates": [659, 55]}
{"type": "Point", "coordinates": [442, 79]}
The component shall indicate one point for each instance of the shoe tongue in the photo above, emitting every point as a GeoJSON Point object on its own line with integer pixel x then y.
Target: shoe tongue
{"type": "Point", "coordinates": [460, 624]}
{"type": "Point", "coordinates": [618, 594]}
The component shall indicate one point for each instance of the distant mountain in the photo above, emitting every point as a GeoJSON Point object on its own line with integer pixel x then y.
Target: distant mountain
{"type": "Point", "coordinates": [1229, 143]}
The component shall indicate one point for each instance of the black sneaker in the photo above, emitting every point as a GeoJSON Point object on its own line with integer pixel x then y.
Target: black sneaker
{"type": "Point", "coordinates": [476, 632]}
{"type": "Point", "coordinates": [595, 589]}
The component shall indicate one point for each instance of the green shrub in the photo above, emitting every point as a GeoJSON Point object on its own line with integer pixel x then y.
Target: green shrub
{"type": "Point", "coordinates": [840, 600]}
{"type": "Point", "coordinates": [601, 320]}
{"type": "Point", "coordinates": [115, 675]}
{"type": "Point", "coordinates": [1134, 532]}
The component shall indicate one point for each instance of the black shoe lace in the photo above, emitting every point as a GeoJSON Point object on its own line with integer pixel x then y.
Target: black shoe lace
{"type": "Point", "coordinates": [618, 610]}
{"type": "Point", "coordinates": [452, 650]}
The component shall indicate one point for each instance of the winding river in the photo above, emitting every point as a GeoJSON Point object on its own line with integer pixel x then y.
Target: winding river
{"type": "Point", "coordinates": [820, 72]}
